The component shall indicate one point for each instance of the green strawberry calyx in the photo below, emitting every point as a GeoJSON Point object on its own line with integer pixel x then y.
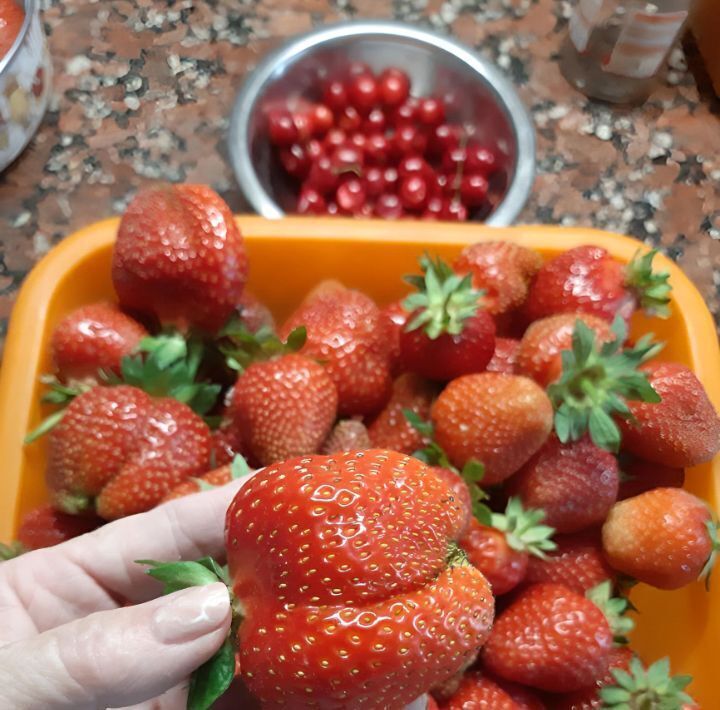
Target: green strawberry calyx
{"type": "Point", "coordinates": [472, 472]}
{"type": "Point", "coordinates": [651, 288]}
{"type": "Point", "coordinates": [241, 347]}
{"type": "Point", "coordinates": [444, 300]}
{"type": "Point", "coordinates": [712, 528]}
{"type": "Point", "coordinates": [213, 678]}
{"type": "Point", "coordinates": [646, 689]}
{"type": "Point", "coordinates": [523, 529]}
{"type": "Point", "coordinates": [238, 469]}
{"type": "Point", "coordinates": [596, 383]}
{"type": "Point", "coordinates": [614, 609]}
{"type": "Point", "coordinates": [8, 552]}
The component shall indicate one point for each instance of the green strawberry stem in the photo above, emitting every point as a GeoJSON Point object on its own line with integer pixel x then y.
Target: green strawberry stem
{"type": "Point", "coordinates": [238, 469]}
{"type": "Point", "coordinates": [444, 300]}
{"type": "Point", "coordinates": [651, 289]}
{"type": "Point", "coordinates": [472, 472]}
{"type": "Point", "coordinates": [523, 530]}
{"type": "Point", "coordinates": [74, 503]}
{"type": "Point", "coordinates": [241, 347]}
{"type": "Point", "coordinates": [596, 383]}
{"type": "Point", "coordinates": [213, 678]}
{"type": "Point", "coordinates": [614, 609]}
{"type": "Point", "coordinates": [646, 689]}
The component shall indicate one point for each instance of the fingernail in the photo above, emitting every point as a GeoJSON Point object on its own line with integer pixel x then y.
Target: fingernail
{"type": "Point", "coordinates": [192, 613]}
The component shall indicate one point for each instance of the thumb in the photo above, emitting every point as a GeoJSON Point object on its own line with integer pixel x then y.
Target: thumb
{"type": "Point", "coordinates": [119, 657]}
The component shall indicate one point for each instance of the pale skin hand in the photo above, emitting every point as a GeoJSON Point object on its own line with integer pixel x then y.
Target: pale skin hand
{"type": "Point", "coordinates": [68, 643]}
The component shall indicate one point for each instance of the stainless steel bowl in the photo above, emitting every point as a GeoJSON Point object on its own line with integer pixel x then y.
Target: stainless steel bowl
{"type": "Point", "coordinates": [25, 78]}
{"type": "Point", "coordinates": [476, 93]}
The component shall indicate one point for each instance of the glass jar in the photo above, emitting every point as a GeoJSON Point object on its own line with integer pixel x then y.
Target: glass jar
{"type": "Point", "coordinates": [615, 48]}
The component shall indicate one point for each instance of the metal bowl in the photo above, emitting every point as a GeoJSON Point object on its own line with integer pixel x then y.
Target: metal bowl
{"type": "Point", "coordinates": [477, 96]}
{"type": "Point", "coordinates": [25, 77]}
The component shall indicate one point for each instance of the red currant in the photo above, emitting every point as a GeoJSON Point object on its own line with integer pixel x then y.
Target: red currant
{"type": "Point", "coordinates": [413, 192]}
{"type": "Point", "coordinates": [349, 119]}
{"type": "Point", "coordinates": [356, 68]}
{"type": "Point", "coordinates": [314, 149]}
{"type": "Point", "coordinates": [406, 113]}
{"type": "Point", "coordinates": [321, 176]}
{"type": "Point", "coordinates": [443, 139]}
{"type": "Point", "coordinates": [367, 210]}
{"type": "Point", "coordinates": [303, 123]}
{"type": "Point", "coordinates": [335, 137]}
{"type": "Point", "coordinates": [363, 91]}
{"type": "Point", "coordinates": [453, 159]}
{"type": "Point", "coordinates": [455, 211]}
{"type": "Point", "coordinates": [374, 181]}
{"type": "Point", "coordinates": [481, 160]}
{"type": "Point", "coordinates": [394, 87]}
{"type": "Point", "coordinates": [434, 209]}
{"type": "Point", "coordinates": [295, 160]}
{"type": "Point", "coordinates": [388, 206]}
{"type": "Point", "coordinates": [332, 208]}
{"type": "Point", "coordinates": [391, 178]}
{"type": "Point", "coordinates": [347, 158]}
{"type": "Point", "coordinates": [414, 165]}
{"type": "Point", "coordinates": [350, 196]}
{"type": "Point", "coordinates": [281, 128]}
{"type": "Point", "coordinates": [359, 140]}
{"type": "Point", "coordinates": [408, 139]}
{"type": "Point", "coordinates": [335, 96]}
{"type": "Point", "coordinates": [310, 201]}
{"type": "Point", "coordinates": [473, 189]}
{"type": "Point", "coordinates": [321, 120]}
{"type": "Point", "coordinates": [376, 148]}
{"type": "Point", "coordinates": [431, 112]}
{"type": "Point", "coordinates": [375, 121]}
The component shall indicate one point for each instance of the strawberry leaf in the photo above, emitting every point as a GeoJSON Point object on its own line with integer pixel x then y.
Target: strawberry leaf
{"type": "Point", "coordinates": [45, 426]}
{"type": "Point", "coordinates": [614, 609]}
{"type": "Point", "coordinates": [8, 552]}
{"type": "Point", "coordinates": [181, 575]}
{"type": "Point", "coordinates": [212, 679]}
{"type": "Point", "coordinates": [417, 423]}
{"type": "Point", "coordinates": [523, 529]}
{"type": "Point", "coordinates": [296, 339]}
{"type": "Point", "coordinates": [651, 288]}
{"type": "Point", "coordinates": [239, 468]}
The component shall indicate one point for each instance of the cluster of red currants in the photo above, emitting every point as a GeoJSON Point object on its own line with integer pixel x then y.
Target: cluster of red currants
{"type": "Point", "coordinates": [369, 148]}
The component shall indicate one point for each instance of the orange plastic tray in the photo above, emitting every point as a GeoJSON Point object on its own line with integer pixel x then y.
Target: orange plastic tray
{"type": "Point", "coordinates": [287, 258]}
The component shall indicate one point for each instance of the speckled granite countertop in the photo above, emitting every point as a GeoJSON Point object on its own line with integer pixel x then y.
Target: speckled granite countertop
{"type": "Point", "coordinates": [143, 88]}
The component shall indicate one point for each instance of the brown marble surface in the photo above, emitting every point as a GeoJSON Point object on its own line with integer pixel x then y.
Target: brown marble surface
{"type": "Point", "coordinates": [143, 88]}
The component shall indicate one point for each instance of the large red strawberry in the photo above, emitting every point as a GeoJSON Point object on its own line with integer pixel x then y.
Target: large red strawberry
{"type": "Point", "coordinates": [391, 428]}
{"type": "Point", "coordinates": [576, 484]}
{"type": "Point", "coordinates": [478, 692]}
{"type": "Point", "coordinates": [665, 537]}
{"type": "Point", "coordinates": [501, 550]}
{"type": "Point", "coordinates": [352, 590]}
{"type": "Point", "coordinates": [448, 333]}
{"type": "Point", "coordinates": [347, 435]}
{"type": "Point", "coordinates": [284, 407]}
{"type": "Point", "coordinates": [45, 526]}
{"type": "Point", "coordinates": [460, 490]}
{"type": "Point", "coordinates": [539, 353]}
{"type": "Point", "coordinates": [505, 356]}
{"type": "Point", "coordinates": [578, 563]}
{"type": "Point", "coordinates": [551, 638]}
{"type": "Point", "coordinates": [500, 420]}
{"type": "Point", "coordinates": [503, 270]}
{"type": "Point", "coordinates": [120, 451]}
{"type": "Point", "coordinates": [180, 257]}
{"type": "Point", "coordinates": [638, 476]}
{"type": "Point", "coordinates": [344, 331]}
{"type": "Point", "coordinates": [588, 279]}
{"type": "Point", "coordinates": [589, 698]}
{"type": "Point", "coordinates": [92, 338]}
{"type": "Point", "coordinates": [682, 429]}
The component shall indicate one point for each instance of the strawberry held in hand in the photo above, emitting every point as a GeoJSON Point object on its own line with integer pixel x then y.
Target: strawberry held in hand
{"type": "Point", "coordinates": [348, 584]}
{"type": "Point", "coordinates": [180, 257]}
{"type": "Point", "coordinates": [93, 338]}
{"type": "Point", "coordinates": [448, 334]}
{"type": "Point", "coordinates": [588, 279]}
{"type": "Point", "coordinates": [119, 451]}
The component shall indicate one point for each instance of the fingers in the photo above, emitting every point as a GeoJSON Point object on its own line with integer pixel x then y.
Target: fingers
{"type": "Point", "coordinates": [116, 658]}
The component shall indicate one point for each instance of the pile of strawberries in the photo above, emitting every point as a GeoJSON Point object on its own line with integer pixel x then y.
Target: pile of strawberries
{"type": "Point", "coordinates": [457, 488]}
{"type": "Point", "coordinates": [368, 148]}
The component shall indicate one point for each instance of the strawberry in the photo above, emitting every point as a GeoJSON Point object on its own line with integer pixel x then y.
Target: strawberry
{"type": "Point", "coordinates": [460, 490]}
{"type": "Point", "coordinates": [431, 704]}
{"type": "Point", "coordinates": [638, 476]}
{"type": "Point", "coordinates": [284, 407]}
{"type": "Point", "coordinates": [394, 317]}
{"type": "Point", "coordinates": [525, 698]}
{"type": "Point", "coordinates": [344, 330]}
{"type": "Point", "coordinates": [227, 440]}
{"type": "Point", "coordinates": [539, 353]}
{"type": "Point", "coordinates": [576, 484]}
{"type": "Point", "coordinates": [180, 257]}
{"type": "Point", "coordinates": [447, 334]}
{"type": "Point", "coordinates": [589, 698]}
{"type": "Point", "coordinates": [653, 687]}
{"type": "Point", "coordinates": [477, 692]}
{"type": "Point", "coordinates": [551, 638]}
{"type": "Point", "coordinates": [120, 451]}
{"type": "Point", "coordinates": [347, 435]}
{"type": "Point", "coordinates": [93, 338]}
{"type": "Point", "coordinates": [665, 537]}
{"type": "Point", "coordinates": [253, 313]}
{"type": "Point", "coordinates": [501, 550]}
{"type": "Point", "coordinates": [212, 479]}
{"type": "Point", "coordinates": [597, 384]}
{"type": "Point", "coordinates": [45, 526]}
{"type": "Point", "coordinates": [391, 428]}
{"type": "Point", "coordinates": [588, 279]}
{"type": "Point", "coordinates": [503, 270]}
{"type": "Point", "coordinates": [352, 590]}
{"type": "Point", "coordinates": [682, 429]}
{"type": "Point", "coordinates": [501, 420]}
{"type": "Point", "coordinates": [505, 356]}
{"type": "Point", "coordinates": [578, 563]}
